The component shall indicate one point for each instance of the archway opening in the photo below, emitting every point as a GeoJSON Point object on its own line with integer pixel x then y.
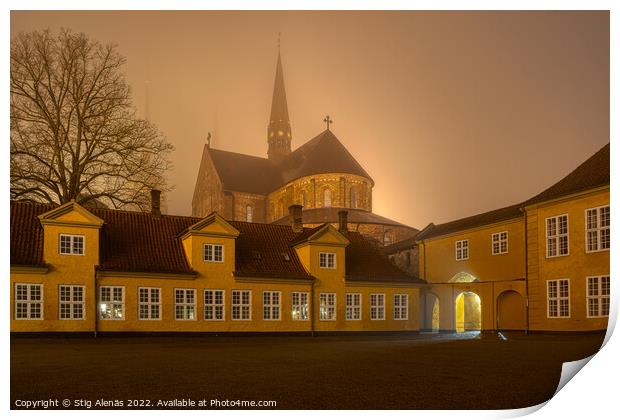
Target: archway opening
{"type": "Point", "coordinates": [468, 312]}
{"type": "Point", "coordinates": [510, 311]}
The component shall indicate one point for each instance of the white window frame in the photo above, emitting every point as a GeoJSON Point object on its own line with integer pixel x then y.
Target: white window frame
{"type": "Point", "coordinates": [241, 305]}
{"type": "Point", "coordinates": [71, 302]}
{"type": "Point", "coordinates": [214, 306]}
{"type": "Point", "coordinates": [112, 302]}
{"type": "Point", "coordinates": [185, 303]}
{"type": "Point", "coordinates": [377, 309]}
{"type": "Point", "coordinates": [270, 304]}
{"type": "Point", "coordinates": [460, 249]}
{"type": "Point", "coordinates": [300, 311]}
{"type": "Point", "coordinates": [556, 238]}
{"type": "Point", "coordinates": [149, 304]}
{"type": "Point", "coordinates": [213, 247]}
{"type": "Point", "coordinates": [325, 306]}
{"type": "Point", "coordinates": [599, 297]}
{"type": "Point", "coordinates": [496, 239]}
{"type": "Point", "coordinates": [352, 307]}
{"type": "Point", "coordinates": [400, 308]}
{"type": "Point", "coordinates": [29, 302]}
{"type": "Point", "coordinates": [325, 263]}
{"type": "Point", "coordinates": [558, 299]}
{"type": "Point", "coordinates": [598, 230]}
{"type": "Point", "coordinates": [72, 246]}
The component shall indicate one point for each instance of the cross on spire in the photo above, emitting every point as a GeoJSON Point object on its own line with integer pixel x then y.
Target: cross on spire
{"type": "Point", "coordinates": [327, 121]}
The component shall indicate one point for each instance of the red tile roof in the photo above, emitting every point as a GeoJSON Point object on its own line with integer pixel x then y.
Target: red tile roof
{"type": "Point", "coordinates": [330, 215]}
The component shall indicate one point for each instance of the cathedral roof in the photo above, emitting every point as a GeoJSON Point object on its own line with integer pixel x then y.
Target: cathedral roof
{"type": "Point", "coordinates": [330, 215]}
{"type": "Point", "coordinates": [251, 174]}
{"type": "Point", "coordinates": [279, 108]}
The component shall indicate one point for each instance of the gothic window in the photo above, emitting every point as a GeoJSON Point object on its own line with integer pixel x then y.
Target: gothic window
{"type": "Point", "coordinates": [303, 199]}
{"type": "Point", "coordinates": [249, 213]}
{"type": "Point", "coordinates": [327, 197]}
{"type": "Point", "coordinates": [352, 198]}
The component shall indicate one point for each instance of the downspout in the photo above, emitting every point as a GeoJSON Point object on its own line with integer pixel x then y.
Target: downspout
{"type": "Point", "coordinates": [95, 332]}
{"type": "Point", "coordinates": [312, 309]}
{"type": "Point", "coordinates": [527, 283]}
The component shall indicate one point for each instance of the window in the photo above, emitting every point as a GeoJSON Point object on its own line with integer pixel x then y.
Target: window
{"type": "Point", "coordinates": [401, 307]}
{"type": "Point", "coordinates": [327, 306]}
{"type": "Point", "coordinates": [28, 301]}
{"type": "Point", "coordinates": [598, 296]}
{"type": "Point", "coordinates": [71, 244]}
{"type": "Point", "coordinates": [462, 250]}
{"type": "Point", "coordinates": [303, 199]}
{"type": "Point", "coordinates": [377, 306]}
{"type": "Point", "coordinates": [327, 197]}
{"type": "Point", "coordinates": [214, 305]}
{"type": "Point", "coordinates": [387, 238]}
{"type": "Point", "coordinates": [71, 302]}
{"type": "Point", "coordinates": [354, 307]}
{"type": "Point", "coordinates": [112, 302]}
{"type": "Point", "coordinates": [271, 306]}
{"type": "Point", "coordinates": [185, 304]}
{"type": "Point", "coordinates": [299, 311]}
{"type": "Point", "coordinates": [597, 229]}
{"type": "Point", "coordinates": [499, 243]}
{"type": "Point", "coordinates": [213, 253]}
{"type": "Point", "coordinates": [241, 304]}
{"type": "Point", "coordinates": [249, 213]}
{"type": "Point", "coordinates": [558, 295]}
{"type": "Point", "coordinates": [327, 260]}
{"type": "Point", "coordinates": [557, 236]}
{"type": "Point", "coordinates": [149, 301]}
{"type": "Point", "coordinates": [352, 198]}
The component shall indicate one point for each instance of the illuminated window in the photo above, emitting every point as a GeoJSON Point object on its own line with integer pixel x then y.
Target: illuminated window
{"type": "Point", "coordinates": [149, 300]}
{"type": "Point", "coordinates": [598, 296]}
{"type": "Point", "coordinates": [71, 302]}
{"type": "Point", "coordinates": [271, 306]}
{"type": "Point", "coordinates": [214, 305]}
{"type": "Point", "coordinates": [71, 244]}
{"type": "Point", "coordinates": [213, 253]}
{"type": "Point", "coordinates": [558, 298]}
{"type": "Point", "coordinates": [401, 307]}
{"type": "Point", "coordinates": [299, 311]}
{"type": "Point", "coordinates": [185, 304]}
{"type": "Point", "coordinates": [327, 306]}
{"type": "Point", "coordinates": [327, 197]}
{"type": "Point", "coordinates": [327, 260]}
{"type": "Point", "coordinates": [462, 250]}
{"type": "Point", "coordinates": [597, 229]}
{"type": "Point", "coordinates": [377, 306]}
{"type": "Point", "coordinates": [352, 198]}
{"type": "Point", "coordinates": [303, 199]}
{"type": "Point", "coordinates": [112, 302]}
{"type": "Point", "coordinates": [499, 243]}
{"type": "Point", "coordinates": [28, 301]}
{"type": "Point", "coordinates": [241, 305]}
{"type": "Point", "coordinates": [354, 306]}
{"type": "Point", "coordinates": [249, 214]}
{"type": "Point", "coordinates": [557, 236]}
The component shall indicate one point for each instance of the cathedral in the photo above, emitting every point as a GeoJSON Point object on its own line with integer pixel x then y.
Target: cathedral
{"type": "Point", "coordinates": [321, 175]}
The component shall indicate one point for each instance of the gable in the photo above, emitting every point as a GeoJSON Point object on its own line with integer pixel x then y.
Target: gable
{"type": "Point", "coordinates": [70, 213]}
{"type": "Point", "coordinates": [213, 225]}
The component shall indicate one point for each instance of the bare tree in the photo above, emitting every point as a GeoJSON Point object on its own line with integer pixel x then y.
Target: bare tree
{"type": "Point", "coordinates": [74, 131]}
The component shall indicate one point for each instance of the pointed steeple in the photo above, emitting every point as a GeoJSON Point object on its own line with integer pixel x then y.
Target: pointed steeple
{"type": "Point", "coordinates": [279, 133]}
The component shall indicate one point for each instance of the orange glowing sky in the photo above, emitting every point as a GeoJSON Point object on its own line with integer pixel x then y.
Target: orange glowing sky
{"type": "Point", "coordinates": [452, 113]}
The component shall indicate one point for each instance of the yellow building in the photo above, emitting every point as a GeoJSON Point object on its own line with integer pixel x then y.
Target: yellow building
{"type": "Point", "coordinates": [97, 271]}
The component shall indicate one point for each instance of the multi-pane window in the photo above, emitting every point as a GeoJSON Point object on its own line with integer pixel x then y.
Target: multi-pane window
{"type": "Point", "coordinates": [327, 198]}
{"type": "Point", "coordinates": [185, 304]}
{"type": "Point", "coordinates": [149, 301]}
{"type": "Point", "coordinates": [112, 302]}
{"type": "Point", "coordinates": [271, 306]}
{"type": "Point", "coordinates": [214, 305]}
{"type": "Point", "coordinates": [213, 253]}
{"type": "Point", "coordinates": [462, 250]}
{"type": "Point", "coordinates": [71, 244]}
{"type": "Point", "coordinates": [377, 306]}
{"type": "Point", "coordinates": [558, 296]}
{"type": "Point", "coordinates": [327, 260]}
{"type": "Point", "coordinates": [249, 213]}
{"type": "Point", "coordinates": [327, 306]}
{"type": "Point", "coordinates": [499, 243]}
{"type": "Point", "coordinates": [354, 306]}
{"type": "Point", "coordinates": [28, 301]}
{"type": "Point", "coordinates": [299, 311]}
{"type": "Point", "coordinates": [71, 302]}
{"type": "Point", "coordinates": [557, 236]}
{"type": "Point", "coordinates": [241, 304]}
{"type": "Point", "coordinates": [597, 229]}
{"type": "Point", "coordinates": [598, 296]}
{"type": "Point", "coordinates": [401, 307]}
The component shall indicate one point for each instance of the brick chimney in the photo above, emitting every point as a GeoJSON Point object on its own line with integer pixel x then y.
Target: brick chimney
{"type": "Point", "coordinates": [155, 203]}
{"type": "Point", "coordinates": [342, 221]}
{"type": "Point", "coordinates": [294, 217]}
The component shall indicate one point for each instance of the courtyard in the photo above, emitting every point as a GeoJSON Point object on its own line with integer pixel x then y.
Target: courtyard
{"type": "Point", "coordinates": [408, 371]}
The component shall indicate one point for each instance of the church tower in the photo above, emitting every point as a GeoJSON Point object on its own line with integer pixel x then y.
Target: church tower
{"type": "Point", "coordinates": [279, 130]}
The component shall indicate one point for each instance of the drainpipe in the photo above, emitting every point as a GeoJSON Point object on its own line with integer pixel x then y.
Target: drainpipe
{"type": "Point", "coordinates": [312, 309]}
{"type": "Point", "coordinates": [95, 306]}
{"type": "Point", "coordinates": [527, 282]}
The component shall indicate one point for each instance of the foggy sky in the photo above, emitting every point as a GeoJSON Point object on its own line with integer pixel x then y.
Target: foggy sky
{"type": "Point", "coordinates": [451, 113]}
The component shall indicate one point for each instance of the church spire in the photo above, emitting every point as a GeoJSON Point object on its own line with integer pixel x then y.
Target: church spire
{"type": "Point", "coordinates": [279, 130]}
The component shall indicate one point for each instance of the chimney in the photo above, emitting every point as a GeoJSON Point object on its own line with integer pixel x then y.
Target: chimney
{"type": "Point", "coordinates": [155, 203]}
{"type": "Point", "coordinates": [342, 221]}
{"type": "Point", "coordinates": [294, 217]}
